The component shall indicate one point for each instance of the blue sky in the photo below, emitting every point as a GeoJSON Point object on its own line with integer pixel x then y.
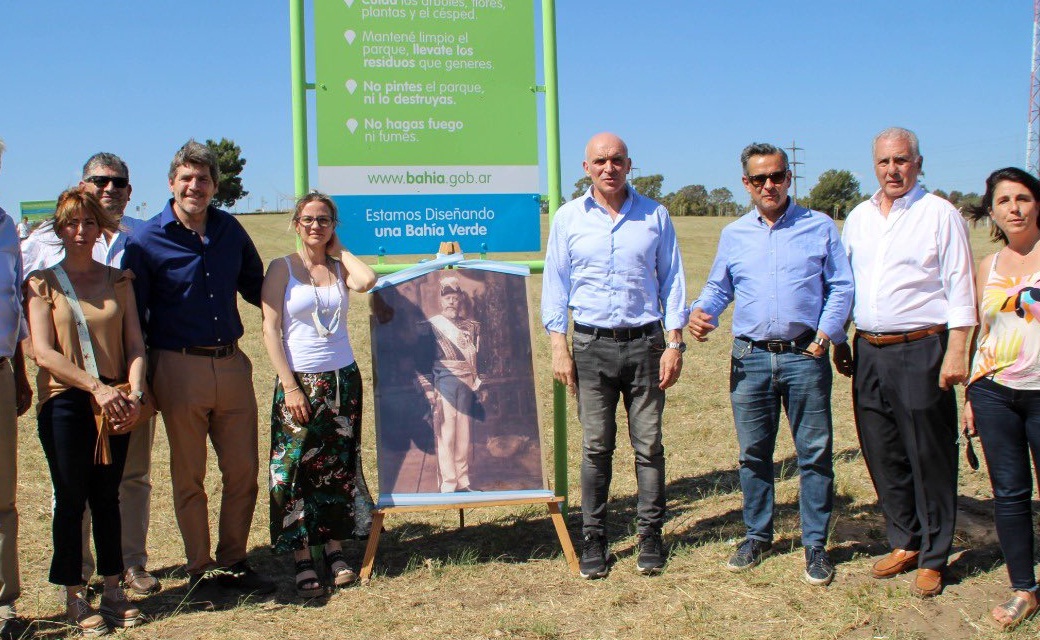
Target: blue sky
{"type": "Point", "coordinates": [686, 83]}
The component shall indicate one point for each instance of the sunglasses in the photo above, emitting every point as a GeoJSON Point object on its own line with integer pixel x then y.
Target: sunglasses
{"type": "Point", "coordinates": [323, 222]}
{"type": "Point", "coordinates": [102, 181]}
{"type": "Point", "coordinates": [759, 181]}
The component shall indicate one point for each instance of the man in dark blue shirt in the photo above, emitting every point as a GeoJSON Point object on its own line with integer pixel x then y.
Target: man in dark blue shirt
{"type": "Point", "coordinates": [190, 263]}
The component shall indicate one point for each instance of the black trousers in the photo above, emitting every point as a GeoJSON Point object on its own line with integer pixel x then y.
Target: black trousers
{"type": "Point", "coordinates": [907, 430]}
{"type": "Point", "coordinates": [68, 435]}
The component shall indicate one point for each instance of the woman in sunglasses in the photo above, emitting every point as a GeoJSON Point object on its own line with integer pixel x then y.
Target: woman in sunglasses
{"type": "Point", "coordinates": [318, 491]}
{"type": "Point", "coordinates": [86, 335]}
{"type": "Point", "coordinates": [1003, 398]}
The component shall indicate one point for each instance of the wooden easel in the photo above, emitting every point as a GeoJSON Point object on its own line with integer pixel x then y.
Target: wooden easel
{"type": "Point", "coordinates": [552, 503]}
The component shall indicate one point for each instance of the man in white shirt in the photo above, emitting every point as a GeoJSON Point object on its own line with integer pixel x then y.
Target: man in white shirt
{"type": "Point", "coordinates": [106, 176]}
{"type": "Point", "coordinates": [914, 309]}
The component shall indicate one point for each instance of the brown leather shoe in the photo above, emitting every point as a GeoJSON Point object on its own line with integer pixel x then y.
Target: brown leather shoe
{"type": "Point", "coordinates": [896, 562]}
{"type": "Point", "coordinates": [138, 580]}
{"type": "Point", "coordinates": [927, 583]}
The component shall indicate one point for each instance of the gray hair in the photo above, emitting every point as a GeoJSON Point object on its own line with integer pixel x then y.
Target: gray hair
{"type": "Point", "coordinates": [761, 149]}
{"type": "Point", "coordinates": [199, 154]}
{"type": "Point", "coordinates": [899, 133]}
{"type": "Point", "coordinates": [106, 160]}
{"type": "Point", "coordinates": [2, 146]}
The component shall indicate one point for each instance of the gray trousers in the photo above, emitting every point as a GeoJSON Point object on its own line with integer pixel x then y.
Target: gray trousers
{"type": "Point", "coordinates": [608, 371]}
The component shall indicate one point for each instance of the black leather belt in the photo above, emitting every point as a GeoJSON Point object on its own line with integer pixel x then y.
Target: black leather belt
{"type": "Point", "coordinates": [624, 334]}
{"type": "Point", "coordinates": [210, 352]}
{"type": "Point", "coordinates": [798, 345]}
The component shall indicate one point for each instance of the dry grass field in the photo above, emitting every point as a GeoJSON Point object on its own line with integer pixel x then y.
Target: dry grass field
{"type": "Point", "coordinates": [503, 575]}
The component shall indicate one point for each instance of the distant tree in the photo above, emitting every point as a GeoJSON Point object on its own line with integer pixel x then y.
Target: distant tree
{"type": "Point", "coordinates": [691, 200]}
{"type": "Point", "coordinates": [649, 186]}
{"type": "Point", "coordinates": [231, 162]}
{"type": "Point", "coordinates": [955, 198]}
{"type": "Point", "coordinates": [835, 193]}
{"type": "Point", "coordinates": [971, 199]}
{"type": "Point", "coordinates": [720, 202]}
{"type": "Point", "coordinates": [942, 194]}
{"type": "Point", "coordinates": [581, 186]}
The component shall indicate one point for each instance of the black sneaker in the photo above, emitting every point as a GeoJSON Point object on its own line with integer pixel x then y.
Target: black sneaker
{"type": "Point", "coordinates": [594, 557]}
{"type": "Point", "coordinates": [241, 576]}
{"type": "Point", "coordinates": [651, 554]}
{"type": "Point", "coordinates": [749, 554]}
{"type": "Point", "coordinates": [818, 567]}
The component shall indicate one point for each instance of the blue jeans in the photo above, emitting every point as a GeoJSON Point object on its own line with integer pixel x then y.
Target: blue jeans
{"type": "Point", "coordinates": [1008, 422]}
{"type": "Point", "coordinates": [760, 383]}
{"type": "Point", "coordinates": [609, 371]}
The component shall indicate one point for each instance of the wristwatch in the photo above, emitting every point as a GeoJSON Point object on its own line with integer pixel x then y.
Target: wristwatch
{"type": "Point", "coordinates": [138, 395]}
{"type": "Point", "coordinates": [681, 346]}
{"type": "Point", "coordinates": [823, 342]}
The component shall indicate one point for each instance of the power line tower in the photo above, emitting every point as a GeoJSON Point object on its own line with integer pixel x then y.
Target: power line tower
{"type": "Point", "coordinates": [1033, 132]}
{"type": "Point", "coordinates": [794, 149]}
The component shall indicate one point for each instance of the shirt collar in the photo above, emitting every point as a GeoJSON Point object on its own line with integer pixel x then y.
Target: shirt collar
{"type": "Point", "coordinates": [788, 213]}
{"type": "Point", "coordinates": [905, 201]}
{"type": "Point", "coordinates": [168, 217]}
{"type": "Point", "coordinates": [589, 201]}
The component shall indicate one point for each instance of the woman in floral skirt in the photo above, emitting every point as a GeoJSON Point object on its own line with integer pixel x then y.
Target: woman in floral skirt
{"type": "Point", "coordinates": [318, 491]}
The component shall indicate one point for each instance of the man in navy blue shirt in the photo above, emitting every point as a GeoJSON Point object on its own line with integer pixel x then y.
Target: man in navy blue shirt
{"type": "Point", "coordinates": [191, 262]}
{"type": "Point", "coordinates": [786, 268]}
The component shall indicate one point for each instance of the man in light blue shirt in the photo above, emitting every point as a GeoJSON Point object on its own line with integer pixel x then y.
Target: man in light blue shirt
{"type": "Point", "coordinates": [785, 267]}
{"type": "Point", "coordinates": [613, 261]}
{"type": "Point", "coordinates": [15, 398]}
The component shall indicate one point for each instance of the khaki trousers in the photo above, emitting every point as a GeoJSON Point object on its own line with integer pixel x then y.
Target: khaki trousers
{"type": "Point", "coordinates": [199, 397]}
{"type": "Point", "coordinates": [135, 503]}
{"type": "Point", "coordinates": [10, 583]}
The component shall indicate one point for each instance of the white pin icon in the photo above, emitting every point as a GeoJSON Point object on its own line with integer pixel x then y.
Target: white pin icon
{"type": "Point", "coordinates": [350, 3]}
{"type": "Point", "coordinates": [350, 35]}
{"type": "Point", "coordinates": [352, 125]}
{"type": "Point", "coordinates": [351, 85]}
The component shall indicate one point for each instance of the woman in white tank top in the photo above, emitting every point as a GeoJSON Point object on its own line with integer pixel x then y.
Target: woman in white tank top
{"type": "Point", "coordinates": [318, 491]}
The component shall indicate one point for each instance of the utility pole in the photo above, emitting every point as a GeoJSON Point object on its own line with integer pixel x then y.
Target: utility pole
{"type": "Point", "coordinates": [1033, 126]}
{"type": "Point", "coordinates": [794, 149]}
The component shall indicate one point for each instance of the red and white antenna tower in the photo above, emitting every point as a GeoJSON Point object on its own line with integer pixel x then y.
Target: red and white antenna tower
{"type": "Point", "coordinates": [1033, 133]}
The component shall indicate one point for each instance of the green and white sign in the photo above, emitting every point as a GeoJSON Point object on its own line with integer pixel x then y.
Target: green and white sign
{"type": "Point", "coordinates": [427, 122]}
{"type": "Point", "coordinates": [37, 209]}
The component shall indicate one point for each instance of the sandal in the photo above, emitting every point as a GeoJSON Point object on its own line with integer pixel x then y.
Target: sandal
{"type": "Point", "coordinates": [1018, 610]}
{"type": "Point", "coordinates": [339, 571]}
{"type": "Point", "coordinates": [308, 586]}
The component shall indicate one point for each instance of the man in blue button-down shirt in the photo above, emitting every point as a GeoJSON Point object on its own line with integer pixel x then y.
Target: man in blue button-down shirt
{"type": "Point", "coordinates": [191, 262]}
{"type": "Point", "coordinates": [612, 259]}
{"type": "Point", "coordinates": [787, 271]}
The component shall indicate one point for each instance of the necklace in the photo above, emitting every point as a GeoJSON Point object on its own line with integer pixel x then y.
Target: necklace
{"type": "Point", "coordinates": [323, 309]}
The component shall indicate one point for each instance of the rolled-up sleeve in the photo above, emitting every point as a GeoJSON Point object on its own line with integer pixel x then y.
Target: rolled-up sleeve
{"type": "Point", "coordinates": [556, 276]}
{"type": "Point", "coordinates": [839, 288]}
{"type": "Point", "coordinates": [718, 289]}
{"type": "Point", "coordinates": [956, 268]}
{"type": "Point", "coordinates": [670, 277]}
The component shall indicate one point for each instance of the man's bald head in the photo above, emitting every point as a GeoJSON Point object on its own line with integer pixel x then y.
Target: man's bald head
{"type": "Point", "coordinates": [600, 140]}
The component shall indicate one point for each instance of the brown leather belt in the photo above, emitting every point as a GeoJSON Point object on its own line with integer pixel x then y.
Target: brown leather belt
{"type": "Point", "coordinates": [211, 352]}
{"type": "Point", "coordinates": [887, 339]}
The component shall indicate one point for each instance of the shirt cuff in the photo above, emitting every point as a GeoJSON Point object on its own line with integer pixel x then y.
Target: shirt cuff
{"type": "Point", "coordinates": [958, 317]}
{"type": "Point", "coordinates": [556, 324]}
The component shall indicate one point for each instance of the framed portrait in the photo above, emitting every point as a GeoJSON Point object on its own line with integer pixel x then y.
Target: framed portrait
{"type": "Point", "coordinates": [456, 414]}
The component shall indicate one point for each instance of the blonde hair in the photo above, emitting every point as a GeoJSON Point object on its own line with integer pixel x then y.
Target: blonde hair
{"type": "Point", "coordinates": [75, 200]}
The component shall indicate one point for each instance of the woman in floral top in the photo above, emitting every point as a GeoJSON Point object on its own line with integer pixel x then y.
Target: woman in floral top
{"type": "Point", "coordinates": [1003, 398]}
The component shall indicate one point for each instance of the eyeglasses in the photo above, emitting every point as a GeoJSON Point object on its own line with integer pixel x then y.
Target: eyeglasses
{"type": "Point", "coordinates": [102, 181]}
{"type": "Point", "coordinates": [323, 222]}
{"type": "Point", "coordinates": [759, 181]}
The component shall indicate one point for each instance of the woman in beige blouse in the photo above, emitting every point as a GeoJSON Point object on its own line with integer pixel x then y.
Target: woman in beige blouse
{"type": "Point", "coordinates": [65, 415]}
